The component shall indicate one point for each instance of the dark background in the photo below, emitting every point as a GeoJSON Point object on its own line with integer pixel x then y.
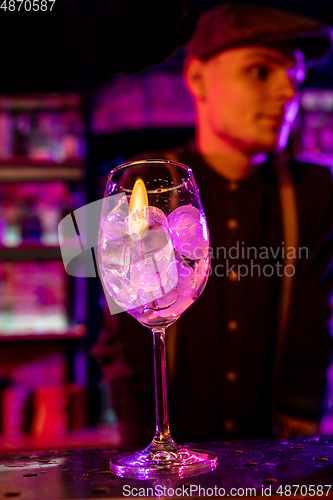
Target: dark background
{"type": "Point", "coordinates": [84, 41]}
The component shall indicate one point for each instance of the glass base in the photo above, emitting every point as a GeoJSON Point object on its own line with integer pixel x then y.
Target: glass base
{"type": "Point", "coordinates": [178, 463]}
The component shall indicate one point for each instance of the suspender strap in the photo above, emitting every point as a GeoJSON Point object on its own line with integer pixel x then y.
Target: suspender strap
{"type": "Point", "coordinates": [290, 229]}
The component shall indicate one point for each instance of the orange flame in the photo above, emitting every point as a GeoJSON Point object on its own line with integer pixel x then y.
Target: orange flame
{"type": "Point", "coordinates": [138, 203]}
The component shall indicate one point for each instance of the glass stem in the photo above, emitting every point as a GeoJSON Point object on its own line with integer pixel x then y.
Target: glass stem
{"type": "Point", "coordinates": [162, 439]}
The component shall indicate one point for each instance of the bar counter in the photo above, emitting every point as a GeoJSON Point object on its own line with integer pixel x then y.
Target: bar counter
{"type": "Point", "coordinates": [299, 467]}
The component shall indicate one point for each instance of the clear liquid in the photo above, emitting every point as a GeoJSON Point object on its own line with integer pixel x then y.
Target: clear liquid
{"type": "Point", "coordinates": [157, 273]}
{"type": "Point", "coordinates": [165, 311]}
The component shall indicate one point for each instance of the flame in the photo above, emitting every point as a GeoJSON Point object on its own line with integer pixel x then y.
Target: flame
{"type": "Point", "coordinates": [138, 203]}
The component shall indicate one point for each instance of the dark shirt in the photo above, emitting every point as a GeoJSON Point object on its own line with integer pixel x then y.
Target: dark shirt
{"type": "Point", "coordinates": [225, 354]}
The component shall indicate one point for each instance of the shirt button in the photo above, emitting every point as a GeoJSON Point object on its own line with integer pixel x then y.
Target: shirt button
{"type": "Point", "coordinates": [232, 325]}
{"type": "Point", "coordinates": [232, 223]}
{"type": "Point", "coordinates": [233, 186]}
{"type": "Point", "coordinates": [229, 425]}
{"type": "Point", "coordinates": [233, 275]}
{"type": "Point", "coordinates": [231, 376]}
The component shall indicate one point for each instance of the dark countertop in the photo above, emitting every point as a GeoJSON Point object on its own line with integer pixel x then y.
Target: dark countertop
{"type": "Point", "coordinates": [266, 465]}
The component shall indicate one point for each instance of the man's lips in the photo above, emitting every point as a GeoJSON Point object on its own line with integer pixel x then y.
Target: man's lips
{"type": "Point", "coordinates": [276, 120]}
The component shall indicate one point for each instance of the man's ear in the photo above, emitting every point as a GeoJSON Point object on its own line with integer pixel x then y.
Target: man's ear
{"type": "Point", "coordinates": [194, 76]}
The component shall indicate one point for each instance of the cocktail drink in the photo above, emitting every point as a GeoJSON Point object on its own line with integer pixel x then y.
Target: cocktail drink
{"type": "Point", "coordinates": [154, 259]}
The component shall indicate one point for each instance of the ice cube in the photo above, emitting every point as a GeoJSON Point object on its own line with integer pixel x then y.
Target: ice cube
{"type": "Point", "coordinates": [114, 229]}
{"type": "Point", "coordinates": [201, 271]}
{"type": "Point", "coordinates": [148, 218]}
{"type": "Point", "coordinates": [119, 203]}
{"type": "Point", "coordinates": [186, 284]}
{"type": "Point", "coordinates": [201, 274]}
{"type": "Point", "coordinates": [115, 256]}
{"type": "Point", "coordinates": [122, 207]}
{"type": "Point", "coordinates": [172, 274]}
{"type": "Point", "coordinates": [150, 273]}
{"type": "Point", "coordinates": [189, 233]}
{"type": "Point", "coordinates": [158, 299]}
{"type": "Point", "coordinates": [121, 291]}
{"type": "Point", "coordinates": [167, 300]}
{"type": "Point", "coordinates": [147, 297]}
{"type": "Point", "coordinates": [156, 217]}
{"type": "Point", "coordinates": [139, 258]}
{"type": "Point", "coordinates": [143, 275]}
{"type": "Point", "coordinates": [153, 241]}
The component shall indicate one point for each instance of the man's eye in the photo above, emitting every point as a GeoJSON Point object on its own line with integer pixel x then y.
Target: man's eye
{"type": "Point", "coordinates": [259, 72]}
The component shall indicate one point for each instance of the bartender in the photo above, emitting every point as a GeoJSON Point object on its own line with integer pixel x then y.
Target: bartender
{"type": "Point", "coordinates": [249, 359]}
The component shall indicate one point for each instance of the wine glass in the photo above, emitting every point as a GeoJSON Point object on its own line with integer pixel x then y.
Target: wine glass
{"type": "Point", "coordinates": [154, 261]}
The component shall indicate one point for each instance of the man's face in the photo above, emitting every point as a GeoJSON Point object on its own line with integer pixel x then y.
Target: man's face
{"type": "Point", "coordinates": [250, 95]}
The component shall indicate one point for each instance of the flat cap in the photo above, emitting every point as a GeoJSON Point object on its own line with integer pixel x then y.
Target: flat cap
{"type": "Point", "coordinates": [233, 24]}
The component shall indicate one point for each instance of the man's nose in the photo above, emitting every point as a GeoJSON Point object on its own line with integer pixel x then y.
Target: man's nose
{"type": "Point", "coordinates": [287, 87]}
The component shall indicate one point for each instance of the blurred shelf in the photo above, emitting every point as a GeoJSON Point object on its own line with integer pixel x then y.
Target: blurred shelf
{"type": "Point", "coordinates": [102, 436]}
{"type": "Point", "coordinates": [19, 168]}
{"type": "Point", "coordinates": [73, 332]}
{"type": "Point", "coordinates": [29, 252]}
{"type": "Point", "coordinates": [40, 101]}
{"type": "Point", "coordinates": [27, 161]}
